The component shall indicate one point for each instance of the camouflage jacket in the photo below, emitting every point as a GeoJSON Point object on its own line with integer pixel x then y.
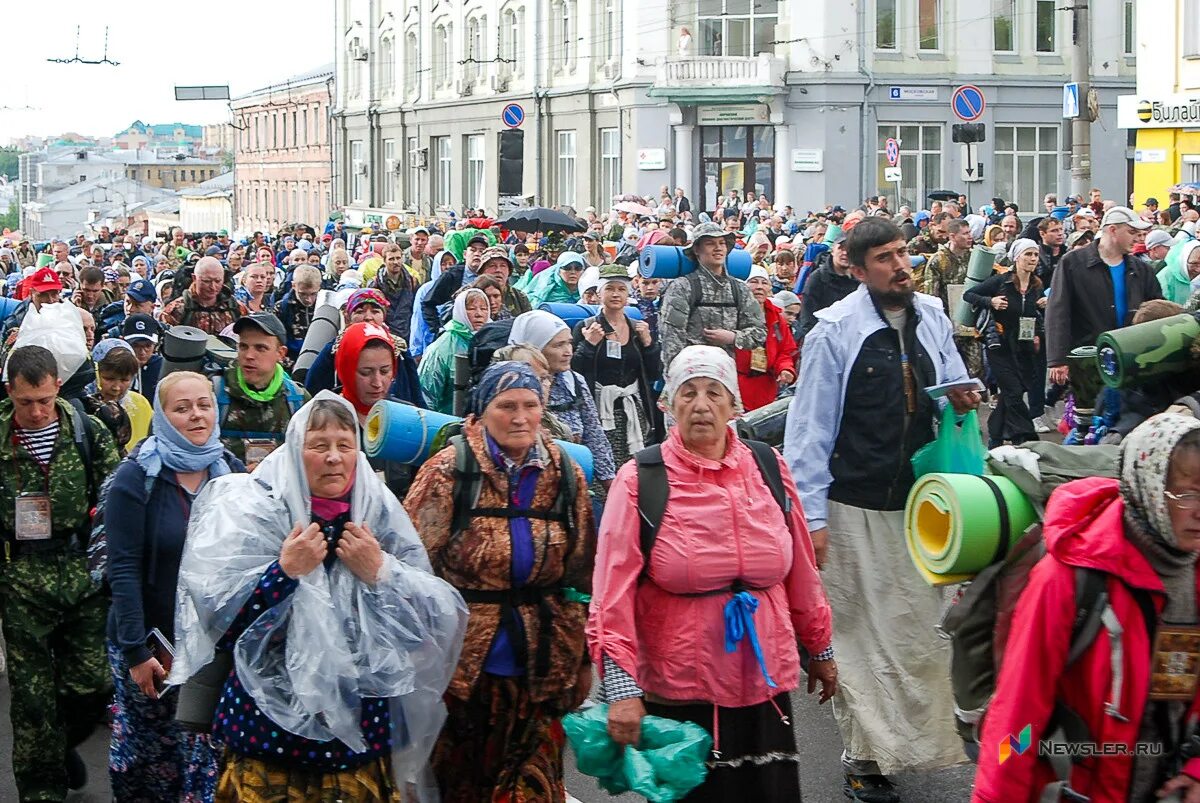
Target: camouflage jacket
{"type": "Point", "coordinates": [723, 306]}
{"type": "Point", "coordinates": [26, 256]}
{"type": "Point", "coordinates": [186, 311]}
{"type": "Point", "coordinates": [243, 418]}
{"type": "Point", "coordinates": [923, 243]}
{"type": "Point", "coordinates": [72, 491]}
{"type": "Point", "coordinates": [943, 269]}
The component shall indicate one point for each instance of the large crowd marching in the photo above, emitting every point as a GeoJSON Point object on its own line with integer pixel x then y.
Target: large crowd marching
{"type": "Point", "coordinates": [200, 553]}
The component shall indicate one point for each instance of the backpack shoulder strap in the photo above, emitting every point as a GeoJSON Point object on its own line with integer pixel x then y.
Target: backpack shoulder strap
{"type": "Point", "coordinates": [467, 482]}
{"type": "Point", "coordinates": [222, 395]}
{"type": "Point", "coordinates": [768, 466]}
{"type": "Point", "coordinates": [565, 503]}
{"type": "Point", "coordinates": [84, 436]}
{"type": "Point", "coordinates": [295, 399]}
{"type": "Point", "coordinates": [1091, 598]}
{"type": "Point", "coordinates": [652, 497]}
{"type": "Point", "coordinates": [693, 281]}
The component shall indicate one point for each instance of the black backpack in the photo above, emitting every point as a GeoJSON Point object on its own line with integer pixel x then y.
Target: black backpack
{"type": "Point", "coordinates": [653, 490]}
{"type": "Point", "coordinates": [490, 338]}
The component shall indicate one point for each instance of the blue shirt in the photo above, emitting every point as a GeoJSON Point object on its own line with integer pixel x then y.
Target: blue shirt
{"type": "Point", "coordinates": [1118, 280]}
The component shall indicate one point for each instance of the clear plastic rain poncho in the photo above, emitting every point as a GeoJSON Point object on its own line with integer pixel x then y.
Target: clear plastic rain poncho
{"type": "Point", "coordinates": [310, 659]}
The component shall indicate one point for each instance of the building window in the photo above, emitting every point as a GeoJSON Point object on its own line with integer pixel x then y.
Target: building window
{"type": "Point", "coordinates": [1026, 163]}
{"type": "Point", "coordinates": [303, 127]}
{"type": "Point", "coordinates": [414, 174]}
{"type": "Point", "coordinates": [411, 62]}
{"type": "Point", "coordinates": [1044, 26]}
{"type": "Point", "coordinates": [441, 190]}
{"type": "Point", "coordinates": [474, 46]}
{"type": "Point", "coordinates": [441, 56]}
{"type": "Point", "coordinates": [1128, 27]}
{"type": "Point", "coordinates": [609, 32]}
{"type": "Point", "coordinates": [275, 131]}
{"type": "Point", "coordinates": [390, 171]}
{"type": "Point", "coordinates": [885, 24]}
{"type": "Point", "coordinates": [562, 55]}
{"type": "Point", "coordinates": [1003, 14]}
{"type": "Point", "coordinates": [295, 128]}
{"type": "Point", "coordinates": [610, 165]}
{"type": "Point", "coordinates": [510, 41]}
{"type": "Point", "coordinates": [737, 27]}
{"type": "Point", "coordinates": [387, 66]}
{"type": "Point", "coordinates": [929, 24]}
{"type": "Point", "coordinates": [1191, 29]}
{"type": "Point", "coordinates": [566, 168]}
{"type": "Point", "coordinates": [920, 161]}
{"type": "Point", "coordinates": [354, 85]}
{"type": "Point", "coordinates": [357, 168]}
{"type": "Point", "coordinates": [474, 177]}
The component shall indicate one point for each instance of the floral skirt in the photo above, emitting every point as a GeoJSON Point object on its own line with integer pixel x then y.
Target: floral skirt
{"type": "Point", "coordinates": [253, 780]}
{"type": "Point", "coordinates": [152, 757]}
{"type": "Point", "coordinates": [500, 747]}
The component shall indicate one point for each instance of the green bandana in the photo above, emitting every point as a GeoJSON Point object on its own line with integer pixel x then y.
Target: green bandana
{"type": "Point", "coordinates": [262, 395]}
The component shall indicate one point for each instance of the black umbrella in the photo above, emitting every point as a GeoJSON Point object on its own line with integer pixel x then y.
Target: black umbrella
{"type": "Point", "coordinates": [539, 218]}
{"type": "Point", "coordinates": [943, 195]}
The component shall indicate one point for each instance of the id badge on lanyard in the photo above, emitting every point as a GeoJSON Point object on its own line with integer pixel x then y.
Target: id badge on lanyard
{"type": "Point", "coordinates": [1027, 329]}
{"type": "Point", "coordinates": [257, 449]}
{"type": "Point", "coordinates": [32, 521]}
{"type": "Point", "coordinates": [1176, 665]}
{"type": "Point", "coordinates": [612, 349]}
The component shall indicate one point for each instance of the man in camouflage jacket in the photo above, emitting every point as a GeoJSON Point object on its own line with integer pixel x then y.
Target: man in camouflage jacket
{"type": "Point", "coordinates": [255, 397]}
{"type": "Point", "coordinates": [52, 461]}
{"type": "Point", "coordinates": [949, 267]}
{"type": "Point", "coordinates": [708, 307]}
{"type": "Point", "coordinates": [208, 304]}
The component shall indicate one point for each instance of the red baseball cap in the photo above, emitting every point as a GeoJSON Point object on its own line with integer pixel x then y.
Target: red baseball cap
{"type": "Point", "coordinates": [44, 280]}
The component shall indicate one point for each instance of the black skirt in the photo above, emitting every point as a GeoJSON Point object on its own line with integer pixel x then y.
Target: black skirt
{"type": "Point", "coordinates": [757, 751]}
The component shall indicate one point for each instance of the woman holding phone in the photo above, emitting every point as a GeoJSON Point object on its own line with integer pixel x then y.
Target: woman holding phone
{"type": "Point", "coordinates": [147, 507]}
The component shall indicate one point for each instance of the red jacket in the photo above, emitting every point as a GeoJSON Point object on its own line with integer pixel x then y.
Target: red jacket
{"type": "Point", "coordinates": [1084, 527]}
{"type": "Point", "coordinates": [759, 390]}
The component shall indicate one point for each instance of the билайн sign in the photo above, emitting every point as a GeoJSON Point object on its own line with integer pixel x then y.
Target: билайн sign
{"type": "Point", "coordinates": [1161, 111]}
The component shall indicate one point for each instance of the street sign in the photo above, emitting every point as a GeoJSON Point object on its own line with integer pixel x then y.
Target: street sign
{"type": "Point", "coordinates": [513, 115]}
{"type": "Point", "coordinates": [892, 150]}
{"type": "Point", "coordinates": [1150, 155]}
{"type": "Point", "coordinates": [1070, 101]}
{"type": "Point", "coordinates": [893, 174]}
{"type": "Point", "coordinates": [652, 159]}
{"type": "Point", "coordinates": [912, 93]}
{"type": "Point", "coordinates": [968, 103]}
{"type": "Point", "coordinates": [972, 168]}
{"type": "Point", "coordinates": [808, 160]}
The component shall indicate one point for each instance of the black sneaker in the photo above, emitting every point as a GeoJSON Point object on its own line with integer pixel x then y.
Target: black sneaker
{"type": "Point", "coordinates": [76, 770]}
{"type": "Point", "coordinates": [870, 789]}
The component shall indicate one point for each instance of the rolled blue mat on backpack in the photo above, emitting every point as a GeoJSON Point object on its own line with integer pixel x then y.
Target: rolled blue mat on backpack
{"type": "Point", "coordinates": [669, 262]}
{"type": "Point", "coordinates": [572, 314]}
{"type": "Point", "coordinates": [401, 433]}
{"type": "Point", "coordinates": [8, 306]}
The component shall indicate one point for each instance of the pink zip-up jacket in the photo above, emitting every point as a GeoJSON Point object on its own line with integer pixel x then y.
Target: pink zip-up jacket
{"type": "Point", "coordinates": [721, 525]}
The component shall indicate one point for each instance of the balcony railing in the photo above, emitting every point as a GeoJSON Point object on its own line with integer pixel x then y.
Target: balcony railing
{"type": "Point", "coordinates": [721, 71]}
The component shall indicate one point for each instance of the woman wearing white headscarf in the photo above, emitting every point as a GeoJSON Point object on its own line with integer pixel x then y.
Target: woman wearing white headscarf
{"type": "Point", "coordinates": [730, 565]}
{"type": "Point", "coordinates": [1013, 338]}
{"type": "Point", "coordinates": [569, 401]}
{"type": "Point", "coordinates": [310, 573]}
{"type": "Point", "coordinates": [436, 371]}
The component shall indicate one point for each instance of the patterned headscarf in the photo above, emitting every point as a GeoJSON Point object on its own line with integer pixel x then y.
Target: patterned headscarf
{"type": "Point", "coordinates": [367, 296]}
{"type": "Point", "coordinates": [500, 377]}
{"type": "Point", "coordinates": [702, 361]}
{"type": "Point", "coordinates": [1145, 462]}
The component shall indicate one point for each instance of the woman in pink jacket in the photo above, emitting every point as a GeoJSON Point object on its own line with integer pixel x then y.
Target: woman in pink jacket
{"type": "Point", "coordinates": [707, 627]}
{"type": "Point", "coordinates": [1143, 533]}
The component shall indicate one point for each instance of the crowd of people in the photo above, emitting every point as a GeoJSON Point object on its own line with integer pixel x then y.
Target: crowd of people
{"type": "Point", "coordinates": [205, 558]}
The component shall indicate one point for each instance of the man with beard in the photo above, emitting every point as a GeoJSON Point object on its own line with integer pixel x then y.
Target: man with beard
{"type": "Point", "coordinates": [858, 416]}
{"type": "Point", "coordinates": [932, 237]}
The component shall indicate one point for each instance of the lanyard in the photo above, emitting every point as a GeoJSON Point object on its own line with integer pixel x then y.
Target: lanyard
{"type": "Point", "coordinates": [20, 440]}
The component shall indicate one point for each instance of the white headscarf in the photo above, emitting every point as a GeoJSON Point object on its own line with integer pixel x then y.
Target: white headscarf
{"type": "Point", "coordinates": [589, 280]}
{"type": "Point", "coordinates": [459, 312]}
{"type": "Point", "coordinates": [702, 361]}
{"type": "Point", "coordinates": [1020, 246]}
{"type": "Point", "coordinates": [758, 272]}
{"type": "Point", "coordinates": [535, 329]}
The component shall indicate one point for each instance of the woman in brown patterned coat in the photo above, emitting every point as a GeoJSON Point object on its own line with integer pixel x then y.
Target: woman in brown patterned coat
{"type": "Point", "coordinates": [518, 543]}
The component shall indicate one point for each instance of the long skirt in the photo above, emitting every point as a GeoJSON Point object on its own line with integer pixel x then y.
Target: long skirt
{"type": "Point", "coordinates": [758, 759]}
{"type": "Point", "coordinates": [894, 704]}
{"type": "Point", "coordinates": [500, 747]}
{"type": "Point", "coordinates": [253, 780]}
{"type": "Point", "coordinates": [152, 757]}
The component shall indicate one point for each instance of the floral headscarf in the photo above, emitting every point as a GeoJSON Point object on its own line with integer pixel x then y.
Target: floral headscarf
{"type": "Point", "coordinates": [1145, 462]}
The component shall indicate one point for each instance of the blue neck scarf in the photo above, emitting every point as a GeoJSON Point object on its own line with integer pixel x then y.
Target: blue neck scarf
{"type": "Point", "coordinates": [168, 447]}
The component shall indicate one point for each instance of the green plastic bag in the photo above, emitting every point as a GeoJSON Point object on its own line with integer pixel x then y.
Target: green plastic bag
{"type": "Point", "coordinates": [957, 449]}
{"type": "Point", "coordinates": [667, 763]}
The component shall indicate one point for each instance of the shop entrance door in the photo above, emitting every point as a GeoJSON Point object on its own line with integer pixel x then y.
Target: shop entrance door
{"type": "Point", "coordinates": [736, 157]}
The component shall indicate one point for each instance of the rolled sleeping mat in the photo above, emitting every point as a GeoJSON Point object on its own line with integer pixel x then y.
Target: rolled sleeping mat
{"type": "Point", "coordinates": [221, 352]}
{"type": "Point", "coordinates": [832, 232]}
{"type": "Point", "coordinates": [1134, 354]}
{"type": "Point", "coordinates": [572, 314]}
{"type": "Point", "coordinates": [956, 525]}
{"type": "Point", "coordinates": [765, 424]}
{"type": "Point", "coordinates": [981, 267]}
{"type": "Point", "coordinates": [8, 306]}
{"type": "Point", "coordinates": [184, 349]}
{"type": "Point", "coordinates": [402, 433]}
{"type": "Point", "coordinates": [1083, 369]}
{"type": "Point", "coordinates": [326, 323]}
{"type": "Point", "coordinates": [670, 262]}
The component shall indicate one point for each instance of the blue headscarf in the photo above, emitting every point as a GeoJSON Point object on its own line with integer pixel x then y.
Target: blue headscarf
{"type": "Point", "coordinates": [168, 447]}
{"type": "Point", "coordinates": [502, 376]}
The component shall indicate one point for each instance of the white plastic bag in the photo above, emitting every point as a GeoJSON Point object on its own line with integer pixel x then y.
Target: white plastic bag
{"type": "Point", "coordinates": [59, 328]}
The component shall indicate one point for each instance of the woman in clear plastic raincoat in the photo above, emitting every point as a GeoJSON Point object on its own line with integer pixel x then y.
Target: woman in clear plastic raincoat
{"type": "Point", "coordinates": [310, 573]}
{"type": "Point", "coordinates": [436, 371]}
{"type": "Point", "coordinates": [557, 284]}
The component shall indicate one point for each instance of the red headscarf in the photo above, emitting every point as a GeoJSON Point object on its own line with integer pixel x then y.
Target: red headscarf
{"type": "Point", "coordinates": [345, 362]}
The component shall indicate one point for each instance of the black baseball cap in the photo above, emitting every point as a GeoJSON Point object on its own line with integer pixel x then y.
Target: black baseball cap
{"type": "Point", "coordinates": [264, 322]}
{"type": "Point", "coordinates": [480, 239]}
{"type": "Point", "coordinates": [141, 327]}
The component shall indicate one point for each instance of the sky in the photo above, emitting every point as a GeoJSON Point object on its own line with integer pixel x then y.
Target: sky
{"type": "Point", "coordinates": [249, 44]}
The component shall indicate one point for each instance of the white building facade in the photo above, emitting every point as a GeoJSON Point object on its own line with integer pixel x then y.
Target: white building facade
{"type": "Point", "coordinates": [791, 98]}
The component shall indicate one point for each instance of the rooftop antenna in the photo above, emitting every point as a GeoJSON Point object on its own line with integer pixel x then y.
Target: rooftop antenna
{"type": "Point", "coordinates": [76, 58]}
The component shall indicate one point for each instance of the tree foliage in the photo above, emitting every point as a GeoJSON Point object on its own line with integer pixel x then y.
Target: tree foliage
{"type": "Point", "coordinates": [8, 162]}
{"type": "Point", "coordinates": [12, 218]}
